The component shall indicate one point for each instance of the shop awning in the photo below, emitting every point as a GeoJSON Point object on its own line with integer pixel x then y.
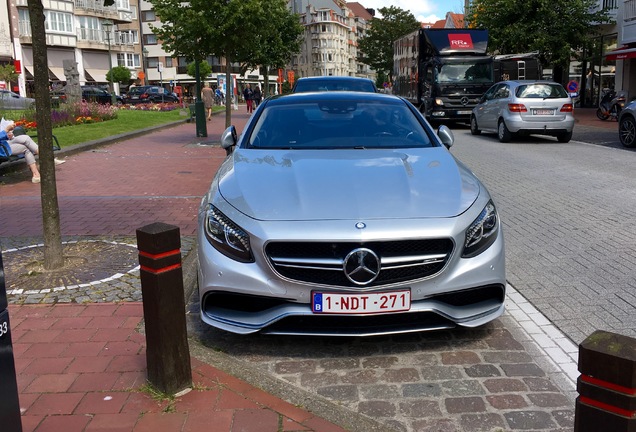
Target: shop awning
{"type": "Point", "coordinates": [56, 74]}
{"type": "Point", "coordinates": [96, 75]}
{"type": "Point", "coordinates": [621, 54]}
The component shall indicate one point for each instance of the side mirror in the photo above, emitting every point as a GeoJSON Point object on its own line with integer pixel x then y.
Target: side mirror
{"type": "Point", "coordinates": [446, 136]}
{"type": "Point", "coordinates": [229, 138]}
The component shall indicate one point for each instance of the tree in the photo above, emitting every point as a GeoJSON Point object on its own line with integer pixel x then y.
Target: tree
{"type": "Point", "coordinates": [279, 38]}
{"type": "Point", "coordinates": [204, 69]}
{"type": "Point", "coordinates": [376, 47]}
{"type": "Point", "coordinates": [199, 28]}
{"type": "Point", "coordinates": [120, 74]}
{"type": "Point", "coordinates": [53, 251]}
{"type": "Point", "coordinates": [8, 74]}
{"type": "Point", "coordinates": [555, 28]}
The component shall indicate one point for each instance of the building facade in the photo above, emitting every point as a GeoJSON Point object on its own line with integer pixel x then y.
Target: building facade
{"type": "Point", "coordinates": [83, 31]}
{"type": "Point", "coordinates": [330, 42]}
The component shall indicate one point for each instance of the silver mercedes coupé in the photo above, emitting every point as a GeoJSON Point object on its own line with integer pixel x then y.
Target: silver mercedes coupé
{"type": "Point", "coordinates": [345, 214]}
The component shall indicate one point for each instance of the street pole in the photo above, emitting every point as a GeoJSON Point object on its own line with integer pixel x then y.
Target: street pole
{"type": "Point", "coordinates": [109, 25]}
{"type": "Point", "coordinates": [199, 108]}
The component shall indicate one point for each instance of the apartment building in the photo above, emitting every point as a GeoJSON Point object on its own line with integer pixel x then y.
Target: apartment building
{"type": "Point", "coordinates": [332, 31]}
{"type": "Point", "coordinates": [95, 37]}
{"type": "Point", "coordinates": [624, 54]}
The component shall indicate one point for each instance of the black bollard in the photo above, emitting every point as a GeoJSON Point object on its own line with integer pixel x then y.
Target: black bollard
{"type": "Point", "coordinates": [607, 385]}
{"type": "Point", "coordinates": [9, 402]}
{"type": "Point", "coordinates": [167, 352]}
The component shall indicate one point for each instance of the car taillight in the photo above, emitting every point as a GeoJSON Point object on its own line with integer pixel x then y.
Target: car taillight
{"type": "Point", "coordinates": [567, 108]}
{"type": "Point", "coordinates": [517, 108]}
{"type": "Point", "coordinates": [144, 96]}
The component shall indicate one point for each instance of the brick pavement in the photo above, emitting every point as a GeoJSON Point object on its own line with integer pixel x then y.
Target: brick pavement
{"type": "Point", "coordinates": [465, 380]}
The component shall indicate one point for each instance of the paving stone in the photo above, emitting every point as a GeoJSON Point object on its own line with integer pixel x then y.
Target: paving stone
{"type": "Point", "coordinates": [435, 425]}
{"type": "Point", "coordinates": [420, 408]}
{"type": "Point", "coordinates": [522, 369]}
{"type": "Point", "coordinates": [504, 385]}
{"type": "Point", "coordinates": [460, 358]}
{"type": "Point", "coordinates": [336, 364]}
{"type": "Point", "coordinates": [367, 376]}
{"type": "Point", "coordinates": [482, 371]}
{"type": "Point", "coordinates": [540, 385]}
{"type": "Point", "coordinates": [339, 392]}
{"type": "Point", "coordinates": [482, 422]}
{"type": "Point", "coordinates": [565, 418]}
{"type": "Point", "coordinates": [400, 375]}
{"type": "Point", "coordinates": [380, 391]}
{"type": "Point", "coordinates": [464, 405]}
{"type": "Point", "coordinates": [507, 401]}
{"type": "Point", "coordinates": [463, 388]}
{"type": "Point", "coordinates": [379, 362]}
{"type": "Point", "coordinates": [435, 373]}
{"type": "Point", "coordinates": [315, 380]}
{"type": "Point", "coordinates": [525, 420]}
{"type": "Point", "coordinates": [549, 400]}
{"type": "Point", "coordinates": [421, 390]}
{"type": "Point", "coordinates": [377, 409]}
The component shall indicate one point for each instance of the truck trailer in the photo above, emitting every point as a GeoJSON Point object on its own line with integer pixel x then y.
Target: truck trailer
{"type": "Point", "coordinates": [444, 72]}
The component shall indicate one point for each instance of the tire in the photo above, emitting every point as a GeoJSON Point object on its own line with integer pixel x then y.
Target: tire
{"type": "Point", "coordinates": [601, 116]}
{"type": "Point", "coordinates": [564, 137]}
{"type": "Point", "coordinates": [627, 131]}
{"type": "Point", "coordinates": [503, 133]}
{"type": "Point", "coordinates": [474, 130]}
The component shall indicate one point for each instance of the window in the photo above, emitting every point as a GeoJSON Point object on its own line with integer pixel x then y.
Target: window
{"type": "Point", "coordinates": [127, 37]}
{"type": "Point", "coordinates": [168, 61]}
{"type": "Point", "coordinates": [153, 62]}
{"type": "Point", "coordinates": [123, 4]}
{"type": "Point", "coordinates": [129, 60]}
{"type": "Point", "coordinates": [58, 21]}
{"type": "Point", "coordinates": [89, 28]}
{"type": "Point", "coordinates": [150, 39]}
{"type": "Point", "coordinates": [148, 16]}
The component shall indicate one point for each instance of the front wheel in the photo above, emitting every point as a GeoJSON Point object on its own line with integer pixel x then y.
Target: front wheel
{"type": "Point", "coordinates": [627, 131]}
{"type": "Point", "coordinates": [474, 130]}
{"type": "Point", "coordinates": [503, 133]}
{"type": "Point", "coordinates": [601, 115]}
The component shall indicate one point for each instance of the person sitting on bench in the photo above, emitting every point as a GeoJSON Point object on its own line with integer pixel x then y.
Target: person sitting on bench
{"type": "Point", "coordinates": [24, 144]}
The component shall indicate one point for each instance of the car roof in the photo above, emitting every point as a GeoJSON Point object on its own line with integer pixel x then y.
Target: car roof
{"type": "Point", "coordinates": [310, 97]}
{"type": "Point", "coordinates": [333, 78]}
{"type": "Point", "coordinates": [529, 82]}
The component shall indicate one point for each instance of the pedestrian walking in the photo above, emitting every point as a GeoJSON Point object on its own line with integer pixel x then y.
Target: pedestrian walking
{"type": "Point", "coordinates": [207, 95]}
{"type": "Point", "coordinates": [248, 95]}
{"type": "Point", "coordinates": [257, 96]}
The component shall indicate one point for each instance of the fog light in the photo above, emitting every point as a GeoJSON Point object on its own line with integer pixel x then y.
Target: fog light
{"type": "Point", "coordinates": [438, 113]}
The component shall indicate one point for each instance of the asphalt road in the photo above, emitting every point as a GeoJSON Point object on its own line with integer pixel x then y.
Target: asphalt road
{"type": "Point", "coordinates": [568, 214]}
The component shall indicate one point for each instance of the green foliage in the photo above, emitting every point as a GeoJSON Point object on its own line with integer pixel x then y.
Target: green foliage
{"type": "Point", "coordinates": [286, 87]}
{"type": "Point", "coordinates": [376, 47]}
{"type": "Point", "coordinates": [8, 74]}
{"type": "Point", "coordinates": [120, 74]}
{"type": "Point", "coordinates": [204, 69]}
{"type": "Point", "coordinates": [553, 27]}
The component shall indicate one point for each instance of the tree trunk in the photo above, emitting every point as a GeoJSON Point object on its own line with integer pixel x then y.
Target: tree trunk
{"type": "Point", "coordinates": [229, 93]}
{"type": "Point", "coordinates": [53, 252]}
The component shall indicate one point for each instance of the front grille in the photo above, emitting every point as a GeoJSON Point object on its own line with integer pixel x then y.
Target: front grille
{"type": "Point", "coordinates": [322, 263]}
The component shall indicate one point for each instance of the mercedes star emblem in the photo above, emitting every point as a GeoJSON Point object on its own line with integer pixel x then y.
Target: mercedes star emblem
{"type": "Point", "coordinates": [361, 266]}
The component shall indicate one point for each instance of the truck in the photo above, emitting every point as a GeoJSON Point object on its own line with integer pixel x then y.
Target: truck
{"type": "Point", "coordinates": [444, 72]}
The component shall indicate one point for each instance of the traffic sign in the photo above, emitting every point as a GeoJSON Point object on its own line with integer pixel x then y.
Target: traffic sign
{"type": "Point", "coordinates": [573, 86]}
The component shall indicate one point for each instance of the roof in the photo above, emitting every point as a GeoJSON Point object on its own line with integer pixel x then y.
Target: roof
{"type": "Point", "coordinates": [359, 10]}
{"type": "Point", "coordinates": [454, 20]}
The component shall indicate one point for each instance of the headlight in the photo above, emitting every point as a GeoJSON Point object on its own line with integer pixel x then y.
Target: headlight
{"type": "Point", "coordinates": [227, 237]}
{"type": "Point", "coordinates": [439, 102]}
{"type": "Point", "coordinates": [482, 232]}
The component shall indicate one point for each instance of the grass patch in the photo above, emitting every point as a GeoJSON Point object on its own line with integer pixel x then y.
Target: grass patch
{"type": "Point", "coordinates": [126, 121]}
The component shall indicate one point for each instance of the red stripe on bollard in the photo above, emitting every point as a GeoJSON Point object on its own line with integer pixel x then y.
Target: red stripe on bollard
{"type": "Point", "coordinates": [160, 255]}
{"type": "Point", "coordinates": [607, 407]}
{"type": "Point", "coordinates": [608, 385]}
{"type": "Point", "coordinates": [161, 270]}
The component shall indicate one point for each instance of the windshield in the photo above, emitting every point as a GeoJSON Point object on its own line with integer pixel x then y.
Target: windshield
{"type": "Point", "coordinates": [465, 72]}
{"type": "Point", "coordinates": [339, 124]}
{"type": "Point", "coordinates": [541, 91]}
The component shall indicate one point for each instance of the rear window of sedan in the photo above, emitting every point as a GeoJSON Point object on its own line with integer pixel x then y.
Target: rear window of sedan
{"type": "Point", "coordinates": [334, 85]}
{"type": "Point", "coordinates": [338, 124]}
{"type": "Point", "coordinates": [541, 91]}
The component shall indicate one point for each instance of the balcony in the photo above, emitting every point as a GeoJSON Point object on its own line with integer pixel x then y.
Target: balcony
{"type": "Point", "coordinates": [628, 30]}
{"type": "Point", "coordinates": [96, 7]}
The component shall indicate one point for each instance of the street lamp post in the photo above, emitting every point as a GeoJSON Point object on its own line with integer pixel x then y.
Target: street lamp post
{"type": "Point", "coordinates": [108, 25]}
{"type": "Point", "coordinates": [145, 59]}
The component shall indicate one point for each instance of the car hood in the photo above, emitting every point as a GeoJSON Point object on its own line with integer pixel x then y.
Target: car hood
{"type": "Point", "coordinates": [347, 184]}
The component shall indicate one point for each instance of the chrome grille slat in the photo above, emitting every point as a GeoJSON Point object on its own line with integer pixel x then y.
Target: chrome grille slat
{"type": "Point", "coordinates": [321, 263]}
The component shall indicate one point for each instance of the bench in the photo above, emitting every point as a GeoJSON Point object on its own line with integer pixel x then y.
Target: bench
{"type": "Point", "coordinates": [20, 131]}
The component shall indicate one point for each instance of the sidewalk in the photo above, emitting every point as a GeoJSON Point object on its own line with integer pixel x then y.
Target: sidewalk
{"type": "Point", "coordinates": [80, 351]}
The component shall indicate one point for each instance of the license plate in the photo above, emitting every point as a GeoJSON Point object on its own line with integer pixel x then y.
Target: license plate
{"type": "Point", "coordinates": [464, 112]}
{"type": "Point", "coordinates": [543, 112]}
{"type": "Point", "coordinates": [369, 303]}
